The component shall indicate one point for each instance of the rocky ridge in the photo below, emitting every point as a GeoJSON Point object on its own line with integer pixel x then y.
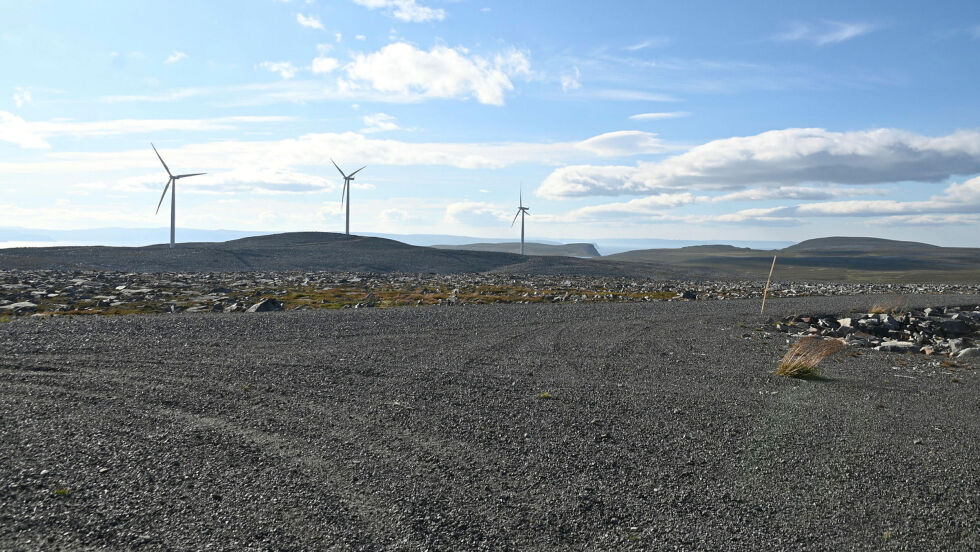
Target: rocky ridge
{"type": "Point", "coordinates": [41, 292]}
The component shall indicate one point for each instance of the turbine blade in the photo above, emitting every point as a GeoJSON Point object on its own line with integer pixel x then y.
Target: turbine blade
{"type": "Point", "coordinates": [338, 169]}
{"type": "Point", "coordinates": [343, 192]}
{"type": "Point", "coordinates": [170, 174]}
{"type": "Point", "coordinates": [186, 175]}
{"type": "Point", "coordinates": [515, 218]}
{"type": "Point", "coordinates": [163, 195]}
{"type": "Point", "coordinates": [351, 175]}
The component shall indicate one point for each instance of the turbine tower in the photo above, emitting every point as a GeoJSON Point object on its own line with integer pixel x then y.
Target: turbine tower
{"type": "Point", "coordinates": [521, 211]}
{"type": "Point", "coordinates": [172, 184]}
{"type": "Point", "coordinates": [346, 191]}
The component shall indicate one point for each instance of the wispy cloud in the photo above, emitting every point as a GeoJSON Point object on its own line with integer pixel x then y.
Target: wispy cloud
{"type": "Point", "coordinates": [22, 97]}
{"type": "Point", "coordinates": [174, 57]}
{"type": "Point", "coordinates": [659, 115]}
{"type": "Point", "coordinates": [648, 43]}
{"type": "Point", "coordinates": [824, 32]}
{"type": "Point", "coordinates": [286, 69]}
{"type": "Point", "coordinates": [26, 134]}
{"type": "Point", "coordinates": [380, 122]}
{"type": "Point", "coordinates": [571, 80]}
{"type": "Point", "coordinates": [405, 10]}
{"type": "Point", "coordinates": [309, 21]}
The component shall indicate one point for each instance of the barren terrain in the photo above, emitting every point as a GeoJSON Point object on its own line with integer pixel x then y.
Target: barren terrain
{"type": "Point", "coordinates": [523, 427]}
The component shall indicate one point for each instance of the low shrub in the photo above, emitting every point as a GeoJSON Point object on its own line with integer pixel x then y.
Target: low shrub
{"type": "Point", "coordinates": [803, 357]}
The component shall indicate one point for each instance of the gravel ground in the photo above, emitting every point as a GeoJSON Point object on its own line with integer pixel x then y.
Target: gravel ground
{"type": "Point", "coordinates": [499, 427]}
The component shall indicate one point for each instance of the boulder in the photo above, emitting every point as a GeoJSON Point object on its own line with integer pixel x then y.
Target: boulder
{"type": "Point", "coordinates": [267, 305]}
{"type": "Point", "coordinates": [954, 327]}
{"type": "Point", "coordinates": [898, 347]}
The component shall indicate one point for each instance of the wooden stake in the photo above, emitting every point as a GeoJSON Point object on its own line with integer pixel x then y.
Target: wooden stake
{"type": "Point", "coordinates": [765, 292]}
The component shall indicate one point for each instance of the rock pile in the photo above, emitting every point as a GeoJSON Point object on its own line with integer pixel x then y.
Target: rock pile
{"type": "Point", "coordinates": [42, 292]}
{"type": "Point", "coordinates": [951, 331]}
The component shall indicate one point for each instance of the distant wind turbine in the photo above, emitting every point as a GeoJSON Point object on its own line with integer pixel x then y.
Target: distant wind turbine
{"type": "Point", "coordinates": [346, 191]}
{"type": "Point", "coordinates": [521, 211]}
{"type": "Point", "coordinates": [172, 184]}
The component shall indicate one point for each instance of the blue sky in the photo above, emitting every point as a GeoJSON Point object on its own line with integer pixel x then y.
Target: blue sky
{"type": "Point", "coordinates": [678, 120]}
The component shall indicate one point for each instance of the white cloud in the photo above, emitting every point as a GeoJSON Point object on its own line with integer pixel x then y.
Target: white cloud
{"type": "Point", "coordinates": [285, 69]}
{"type": "Point", "coordinates": [649, 43]}
{"type": "Point", "coordinates": [26, 134]}
{"type": "Point", "coordinates": [623, 142]}
{"type": "Point", "coordinates": [323, 65]}
{"type": "Point", "coordinates": [360, 37]}
{"type": "Point", "coordinates": [780, 158]}
{"type": "Point", "coordinates": [380, 122]}
{"type": "Point", "coordinates": [405, 10]}
{"type": "Point", "coordinates": [822, 33]}
{"type": "Point", "coordinates": [305, 151]}
{"type": "Point", "coordinates": [174, 57]}
{"type": "Point", "coordinates": [22, 96]}
{"type": "Point", "coordinates": [441, 72]}
{"type": "Point", "coordinates": [571, 81]}
{"type": "Point", "coordinates": [309, 21]}
{"type": "Point", "coordinates": [659, 115]}
{"type": "Point", "coordinates": [476, 213]}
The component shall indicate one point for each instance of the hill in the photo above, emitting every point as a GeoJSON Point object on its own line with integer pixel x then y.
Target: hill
{"type": "Point", "coordinates": [833, 258]}
{"type": "Point", "coordinates": [583, 250]}
{"type": "Point", "coordinates": [300, 251]}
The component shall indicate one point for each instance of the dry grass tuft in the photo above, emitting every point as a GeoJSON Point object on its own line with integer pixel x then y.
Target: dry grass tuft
{"type": "Point", "coordinates": [890, 305]}
{"type": "Point", "coordinates": [803, 357]}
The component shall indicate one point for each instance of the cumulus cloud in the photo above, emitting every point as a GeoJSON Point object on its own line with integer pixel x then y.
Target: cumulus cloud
{"type": "Point", "coordinates": [476, 213]}
{"type": "Point", "coordinates": [440, 72]}
{"type": "Point", "coordinates": [405, 10]}
{"type": "Point", "coordinates": [174, 57]}
{"type": "Point", "coordinates": [285, 69]}
{"type": "Point", "coordinates": [780, 158]}
{"type": "Point", "coordinates": [824, 32]}
{"type": "Point", "coordinates": [309, 21]}
{"type": "Point", "coordinates": [324, 64]}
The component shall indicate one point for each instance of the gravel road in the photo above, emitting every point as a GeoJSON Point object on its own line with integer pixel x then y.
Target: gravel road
{"type": "Point", "coordinates": [502, 427]}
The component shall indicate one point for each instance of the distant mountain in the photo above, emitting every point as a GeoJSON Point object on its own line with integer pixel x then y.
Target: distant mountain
{"type": "Point", "coordinates": [137, 237]}
{"type": "Point", "coordinates": [838, 244]}
{"type": "Point", "coordinates": [300, 251]}
{"type": "Point", "coordinates": [583, 250]}
{"type": "Point", "coordinates": [835, 258]}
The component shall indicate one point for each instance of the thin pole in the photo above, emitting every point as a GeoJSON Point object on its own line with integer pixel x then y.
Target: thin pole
{"type": "Point", "coordinates": [522, 232]}
{"type": "Point", "coordinates": [765, 292]}
{"type": "Point", "coordinates": [347, 227]}
{"type": "Point", "coordinates": [173, 212]}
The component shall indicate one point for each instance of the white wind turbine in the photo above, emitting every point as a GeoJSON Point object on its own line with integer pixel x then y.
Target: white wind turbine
{"type": "Point", "coordinates": [521, 211]}
{"type": "Point", "coordinates": [346, 191]}
{"type": "Point", "coordinates": [172, 184]}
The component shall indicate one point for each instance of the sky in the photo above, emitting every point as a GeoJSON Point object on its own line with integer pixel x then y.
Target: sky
{"type": "Point", "coordinates": [670, 120]}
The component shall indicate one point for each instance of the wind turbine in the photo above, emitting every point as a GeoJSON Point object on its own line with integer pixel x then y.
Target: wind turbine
{"type": "Point", "coordinates": [346, 191]}
{"type": "Point", "coordinates": [521, 211]}
{"type": "Point", "coordinates": [172, 184]}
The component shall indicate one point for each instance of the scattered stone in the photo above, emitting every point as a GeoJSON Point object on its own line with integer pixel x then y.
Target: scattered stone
{"type": "Point", "coordinates": [24, 307]}
{"type": "Point", "coordinates": [898, 347]}
{"type": "Point", "coordinates": [972, 352]}
{"type": "Point", "coordinates": [268, 305]}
